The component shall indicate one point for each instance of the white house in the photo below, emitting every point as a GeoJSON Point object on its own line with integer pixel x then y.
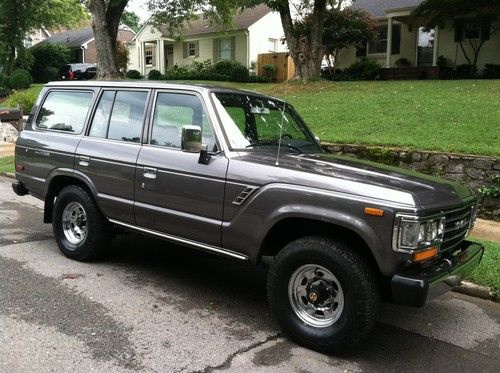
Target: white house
{"type": "Point", "coordinates": [255, 30]}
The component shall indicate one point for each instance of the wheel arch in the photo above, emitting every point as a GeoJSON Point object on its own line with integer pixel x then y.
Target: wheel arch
{"type": "Point", "coordinates": [57, 182]}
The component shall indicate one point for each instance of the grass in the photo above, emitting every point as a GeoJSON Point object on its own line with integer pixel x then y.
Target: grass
{"type": "Point", "coordinates": [7, 164]}
{"type": "Point", "coordinates": [460, 116]}
{"type": "Point", "coordinates": [488, 271]}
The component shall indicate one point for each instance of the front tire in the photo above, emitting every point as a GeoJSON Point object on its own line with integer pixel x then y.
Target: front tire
{"type": "Point", "coordinates": [81, 231]}
{"type": "Point", "coordinates": [322, 294]}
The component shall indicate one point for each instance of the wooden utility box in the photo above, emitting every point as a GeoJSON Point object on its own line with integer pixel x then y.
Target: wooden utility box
{"type": "Point", "coordinates": [283, 62]}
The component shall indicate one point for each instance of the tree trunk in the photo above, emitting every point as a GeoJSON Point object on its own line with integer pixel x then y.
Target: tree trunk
{"type": "Point", "coordinates": [105, 22]}
{"type": "Point", "coordinates": [306, 51]}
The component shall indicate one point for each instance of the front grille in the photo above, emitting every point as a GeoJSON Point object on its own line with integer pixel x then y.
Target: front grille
{"type": "Point", "coordinates": [456, 227]}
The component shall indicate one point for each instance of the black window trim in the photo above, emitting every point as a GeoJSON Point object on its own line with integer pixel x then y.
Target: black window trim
{"type": "Point", "coordinates": [147, 140]}
{"type": "Point", "coordinates": [87, 117]}
{"type": "Point", "coordinates": [115, 90]}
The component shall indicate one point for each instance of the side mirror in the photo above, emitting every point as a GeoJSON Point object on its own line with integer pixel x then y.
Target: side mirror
{"type": "Point", "coordinates": [191, 138]}
{"type": "Point", "coordinates": [317, 139]}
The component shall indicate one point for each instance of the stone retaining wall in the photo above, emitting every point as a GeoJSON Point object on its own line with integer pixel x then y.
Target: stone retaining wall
{"type": "Point", "coordinates": [475, 171]}
{"type": "Point", "coordinates": [8, 132]}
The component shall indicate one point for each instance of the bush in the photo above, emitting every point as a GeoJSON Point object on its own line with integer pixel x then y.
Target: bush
{"type": "Point", "coordinates": [403, 62]}
{"type": "Point", "coordinates": [362, 70]}
{"type": "Point", "coordinates": [134, 74]}
{"type": "Point", "coordinates": [20, 79]}
{"type": "Point", "coordinates": [46, 55]}
{"type": "Point", "coordinates": [225, 67]}
{"type": "Point", "coordinates": [155, 75]}
{"type": "Point", "coordinates": [464, 71]}
{"type": "Point", "coordinates": [4, 80]}
{"type": "Point", "coordinates": [23, 99]}
{"type": "Point", "coordinates": [270, 71]}
{"type": "Point", "coordinates": [50, 73]}
{"type": "Point", "coordinates": [240, 74]}
{"type": "Point", "coordinates": [491, 71]}
{"type": "Point", "coordinates": [4, 91]}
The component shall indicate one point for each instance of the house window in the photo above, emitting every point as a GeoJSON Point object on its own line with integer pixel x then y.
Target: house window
{"type": "Point", "coordinates": [191, 49]}
{"type": "Point", "coordinates": [273, 45]}
{"type": "Point", "coordinates": [149, 55]}
{"type": "Point", "coordinates": [379, 43]}
{"type": "Point", "coordinates": [225, 50]}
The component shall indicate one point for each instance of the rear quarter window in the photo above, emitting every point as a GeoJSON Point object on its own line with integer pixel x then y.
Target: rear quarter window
{"type": "Point", "coordinates": [64, 111]}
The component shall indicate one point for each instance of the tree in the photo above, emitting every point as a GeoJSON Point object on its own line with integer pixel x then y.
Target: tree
{"type": "Point", "coordinates": [132, 20]}
{"type": "Point", "coordinates": [19, 17]}
{"type": "Point", "coordinates": [474, 21]}
{"type": "Point", "coordinates": [106, 17]}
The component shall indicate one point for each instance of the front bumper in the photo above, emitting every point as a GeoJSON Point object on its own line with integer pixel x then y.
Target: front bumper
{"type": "Point", "coordinates": [416, 288]}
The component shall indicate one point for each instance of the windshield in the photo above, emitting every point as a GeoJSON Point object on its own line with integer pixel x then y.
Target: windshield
{"type": "Point", "coordinates": [255, 122]}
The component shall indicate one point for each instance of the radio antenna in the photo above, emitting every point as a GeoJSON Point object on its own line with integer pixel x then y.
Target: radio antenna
{"type": "Point", "coordinates": [282, 120]}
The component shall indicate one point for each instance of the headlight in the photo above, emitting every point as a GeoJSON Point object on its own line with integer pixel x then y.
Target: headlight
{"type": "Point", "coordinates": [412, 233]}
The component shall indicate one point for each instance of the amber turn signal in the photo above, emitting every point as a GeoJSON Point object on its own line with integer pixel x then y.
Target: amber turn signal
{"type": "Point", "coordinates": [374, 211]}
{"type": "Point", "coordinates": [426, 254]}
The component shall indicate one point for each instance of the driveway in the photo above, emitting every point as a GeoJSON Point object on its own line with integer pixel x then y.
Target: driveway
{"type": "Point", "coordinates": [155, 307]}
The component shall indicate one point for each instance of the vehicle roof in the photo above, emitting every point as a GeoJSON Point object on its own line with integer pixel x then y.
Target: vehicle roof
{"type": "Point", "coordinates": [152, 85]}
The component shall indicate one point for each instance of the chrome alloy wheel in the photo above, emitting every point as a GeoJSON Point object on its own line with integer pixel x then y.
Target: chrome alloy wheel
{"type": "Point", "coordinates": [315, 295]}
{"type": "Point", "coordinates": [74, 223]}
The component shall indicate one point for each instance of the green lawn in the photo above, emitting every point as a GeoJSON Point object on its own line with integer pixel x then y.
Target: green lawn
{"type": "Point", "coordinates": [488, 272]}
{"type": "Point", "coordinates": [7, 164]}
{"type": "Point", "coordinates": [454, 116]}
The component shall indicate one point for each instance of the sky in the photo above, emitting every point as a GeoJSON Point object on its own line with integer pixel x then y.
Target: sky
{"type": "Point", "coordinates": [139, 7]}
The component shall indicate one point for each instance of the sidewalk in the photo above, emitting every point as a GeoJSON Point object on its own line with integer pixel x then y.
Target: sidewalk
{"type": "Point", "coordinates": [6, 148]}
{"type": "Point", "coordinates": [487, 230]}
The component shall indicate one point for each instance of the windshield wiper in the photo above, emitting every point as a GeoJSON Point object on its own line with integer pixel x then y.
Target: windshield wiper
{"type": "Point", "coordinates": [275, 144]}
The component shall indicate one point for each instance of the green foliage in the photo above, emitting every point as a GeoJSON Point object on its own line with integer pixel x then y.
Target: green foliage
{"type": "Point", "coordinates": [49, 74]}
{"type": "Point", "coordinates": [134, 74]}
{"type": "Point", "coordinates": [132, 20]}
{"type": "Point", "coordinates": [270, 71]}
{"type": "Point", "coordinates": [365, 69]}
{"type": "Point", "coordinates": [155, 75]}
{"type": "Point", "coordinates": [487, 272]}
{"type": "Point", "coordinates": [23, 99]}
{"type": "Point", "coordinates": [20, 79]}
{"type": "Point", "coordinates": [4, 80]}
{"type": "Point", "coordinates": [491, 191]}
{"type": "Point", "coordinates": [239, 74]}
{"type": "Point", "coordinates": [19, 17]}
{"type": "Point", "coordinates": [491, 71]}
{"type": "Point", "coordinates": [47, 55]}
{"type": "Point", "coordinates": [225, 67]}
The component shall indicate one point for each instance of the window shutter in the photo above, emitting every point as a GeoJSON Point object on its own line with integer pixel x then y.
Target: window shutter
{"type": "Point", "coordinates": [485, 29]}
{"type": "Point", "coordinates": [396, 39]}
{"type": "Point", "coordinates": [459, 30]}
{"type": "Point", "coordinates": [216, 49]}
{"type": "Point", "coordinates": [233, 48]}
{"type": "Point", "coordinates": [361, 51]}
{"type": "Point", "coordinates": [185, 50]}
{"type": "Point", "coordinates": [197, 48]}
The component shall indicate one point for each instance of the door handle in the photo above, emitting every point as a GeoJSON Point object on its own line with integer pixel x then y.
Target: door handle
{"type": "Point", "coordinates": [149, 173]}
{"type": "Point", "coordinates": [84, 161]}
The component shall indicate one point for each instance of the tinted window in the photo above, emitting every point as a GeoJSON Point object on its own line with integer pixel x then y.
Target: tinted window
{"type": "Point", "coordinates": [172, 112]}
{"type": "Point", "coordinates": [119, 116]}
{"type": "Point", "coordinates": [64, 111]}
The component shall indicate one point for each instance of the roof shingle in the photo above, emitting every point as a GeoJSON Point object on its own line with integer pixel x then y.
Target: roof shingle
{"type": "Point", "coordinates": [377, 8]}
{"type": "Point", "coordinates": [71, 39]}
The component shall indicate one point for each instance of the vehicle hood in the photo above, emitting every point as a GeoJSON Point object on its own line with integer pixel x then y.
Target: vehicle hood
{"type": "Point", "coordinates": [428, 191]}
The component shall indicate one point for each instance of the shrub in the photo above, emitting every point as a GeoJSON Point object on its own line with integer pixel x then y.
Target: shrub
{"type": "Point", "coordinates": [362, 70]}
{"type": "Point", "coordinates": [464, 71]}
{"type": "Point", "coordinates": [4, 91]}
{"type": "Point", "coordinates": [24, 72]}
{"type": "Point", "coordinates": [240, 74]}
{"type": "Point", "coordinates": [491, 71]}
{"type": "Point", "coordinates": [270, 71]}
{"type": "Point", "coordinates": [224, 67]}
{"type": "Point", "coordinates": [403, 62]}
{"type": "Point", "coordinates": [46, 55]}
{"type": "Point", "coordinates": [4, 80]}
{"type": "Point", "coordinates": [134, 74]}
{"type": "Point", "coordinates": [50, 73]}
{"type": "Point", "coordinates": [23, 99]}
{"type": "Point", "coordinates": [20, 79]}
{"type": "Point", "coordinates": [155, 75]}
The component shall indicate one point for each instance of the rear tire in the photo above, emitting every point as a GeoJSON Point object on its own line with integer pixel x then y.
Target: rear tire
{"type": "Point", "coordinates": [322, 294]}
{"type": "Point", "coordinates": [81, 231]}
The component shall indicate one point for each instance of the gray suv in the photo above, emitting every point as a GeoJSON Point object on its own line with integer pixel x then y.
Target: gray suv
{"type": "Point", "coordinates": [239, 174]}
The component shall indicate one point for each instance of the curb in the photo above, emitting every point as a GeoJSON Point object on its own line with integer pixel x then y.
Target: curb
{"type": "Point", "coordinates": [8, 174]}
{"type": "Point", "coordinates": [478, 291]}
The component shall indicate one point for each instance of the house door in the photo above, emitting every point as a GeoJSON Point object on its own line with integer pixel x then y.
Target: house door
{"type": "Point", "coordinates": [169, 56]}
{"type": "Point", "coordinates": [425, 46]}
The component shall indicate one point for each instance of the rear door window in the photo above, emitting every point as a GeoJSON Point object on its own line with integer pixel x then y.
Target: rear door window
{"type": "Point", "coordinates": [64, 111]}
{"type": "Point", "coordinates": [119, 115]}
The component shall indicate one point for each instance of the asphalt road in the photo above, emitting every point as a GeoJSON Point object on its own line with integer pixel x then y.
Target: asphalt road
{"type": "Point", "coordinates": [155, 307]}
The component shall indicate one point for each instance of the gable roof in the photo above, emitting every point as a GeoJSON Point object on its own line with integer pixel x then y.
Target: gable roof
{"type": "Point", "coordinates": [73, 38]}
{"type": "Point", "coordinates": [378, 8]}
{"type": "Point", "coordinates": [241, 21]}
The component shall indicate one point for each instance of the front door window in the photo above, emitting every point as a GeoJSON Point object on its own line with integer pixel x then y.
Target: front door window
{"type": "Point", "coordinates": [425, 46]}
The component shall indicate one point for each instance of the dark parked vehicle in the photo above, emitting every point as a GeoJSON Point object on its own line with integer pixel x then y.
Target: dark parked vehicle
{"type": "Point", "coordinates": [78, 71]}
{"type": "Point", "coordinates": [239, 174]}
